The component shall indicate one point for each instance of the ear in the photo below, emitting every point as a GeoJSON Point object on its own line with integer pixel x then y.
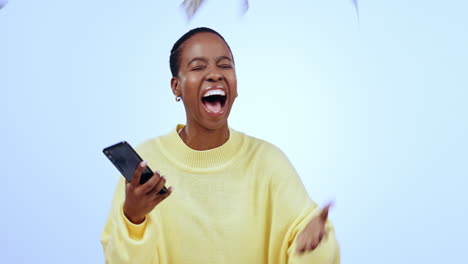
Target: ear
{"type": "Point", "coordinates": [175, 86]}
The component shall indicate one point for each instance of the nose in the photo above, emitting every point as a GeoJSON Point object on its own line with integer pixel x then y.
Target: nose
{"type": "Point", "coordinates": [214, 76]}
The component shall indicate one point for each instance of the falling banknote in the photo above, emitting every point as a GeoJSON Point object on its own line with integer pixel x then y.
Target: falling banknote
{"type": "Point", "coordinates": [356, 5]}
{"type": "Point", "coordinates": [191, 7]}
{"type": "Point", "coordinates": [3, 3]}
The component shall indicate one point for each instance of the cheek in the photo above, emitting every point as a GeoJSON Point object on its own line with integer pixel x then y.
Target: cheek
{"type": "Point", "coordinates": [190, 86]}
{"type": "Point", "coordinates": [234, 92]}
{"type": "Point", "coordinates": [232, 80]}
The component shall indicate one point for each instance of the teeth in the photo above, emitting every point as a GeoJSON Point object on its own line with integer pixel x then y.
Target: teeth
{"type": "Point", "coordinates": [214, 92]}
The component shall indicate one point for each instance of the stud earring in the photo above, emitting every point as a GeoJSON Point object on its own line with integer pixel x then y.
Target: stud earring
{"type": "Point", "coordinates": [177, 98]}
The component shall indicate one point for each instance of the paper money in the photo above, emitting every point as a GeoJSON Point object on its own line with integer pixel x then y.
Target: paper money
{"type": "Point", "coordinates": [191, 7]}
{"type": "Point", "coordinates": [356, 5]}
{"type": "Point", "coordinates": [3, 3]}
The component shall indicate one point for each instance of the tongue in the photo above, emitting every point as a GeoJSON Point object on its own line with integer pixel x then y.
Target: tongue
{"type": "Point", "coordinates": [214, 107]}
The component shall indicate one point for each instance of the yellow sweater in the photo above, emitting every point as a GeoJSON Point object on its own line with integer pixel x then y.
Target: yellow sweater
{"type": "Point", "coordinates": [240, 203]}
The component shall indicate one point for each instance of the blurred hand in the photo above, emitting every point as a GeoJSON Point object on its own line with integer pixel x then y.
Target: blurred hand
{"type": "Point", "coordinates": [313, 233]}
{"type": "Point", "coordinates": [140, 199]}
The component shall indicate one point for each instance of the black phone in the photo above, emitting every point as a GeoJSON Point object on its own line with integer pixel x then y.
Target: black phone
{"type": "Point", "coordinates": [126, 160]}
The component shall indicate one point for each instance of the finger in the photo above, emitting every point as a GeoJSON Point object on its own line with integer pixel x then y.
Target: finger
{"type": "Point", "coordinates": [137, 174]}
{"type": "Point", "coordinates": [300, 249]}
{"type": "Point", "coordinates": [159, 198]}
{"type": "Point", "coordinates": [158, 186]}
{"type": "Point", "coordinates": [148, 186]}
{"type": "Point", "coordinates": [315, 244]}
{"type": "Point", "coordinates": [323, 233]}
{"type": "Point", "coordinates": [308, 246]}
{"type": "Point", "coordinates": [324, 213]}
{"type": "Point", "coordinates": [312, 244]}
{"type": "Point", "coordinates": [299, 244]}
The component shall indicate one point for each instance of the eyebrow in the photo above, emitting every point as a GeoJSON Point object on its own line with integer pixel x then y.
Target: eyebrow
{"type": "Point", "coordinates": [203, 59]}
{"type": "Point", "coordinates": [220, 58]}
{"type": "Point", "coordinates": [197, 59]}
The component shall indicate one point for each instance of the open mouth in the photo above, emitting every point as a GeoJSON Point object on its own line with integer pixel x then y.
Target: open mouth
{"type": "Point", "coordinates": [214, 101]}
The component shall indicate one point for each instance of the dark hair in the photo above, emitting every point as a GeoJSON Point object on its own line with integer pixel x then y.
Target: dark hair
{"type": "Point", "coordinates": [174, 62]}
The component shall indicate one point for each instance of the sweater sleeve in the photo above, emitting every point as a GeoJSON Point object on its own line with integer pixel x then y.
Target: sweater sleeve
{"type": "Point", "coordinates": [291, 211]}
{"type": "Point", "coordinates": [123, 241]}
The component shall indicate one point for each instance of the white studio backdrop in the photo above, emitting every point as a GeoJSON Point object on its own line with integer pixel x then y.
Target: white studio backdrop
{"type": "Point", "coordinates": [371, 111]}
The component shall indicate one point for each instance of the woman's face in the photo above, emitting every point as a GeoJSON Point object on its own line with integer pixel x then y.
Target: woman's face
{"type": "Point", "coordinates": [207, 80]}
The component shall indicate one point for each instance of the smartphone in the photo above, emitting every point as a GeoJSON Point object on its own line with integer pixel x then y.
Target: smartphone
{"type": "Point", "coordinates": [126, 160]}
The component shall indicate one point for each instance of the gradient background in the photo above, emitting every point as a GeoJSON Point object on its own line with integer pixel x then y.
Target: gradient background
{"type": "Point", "coordinates": [372, 113]}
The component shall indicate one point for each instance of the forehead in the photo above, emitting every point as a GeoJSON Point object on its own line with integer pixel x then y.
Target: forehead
{"type": "Point", "coordinates": [204, 44]}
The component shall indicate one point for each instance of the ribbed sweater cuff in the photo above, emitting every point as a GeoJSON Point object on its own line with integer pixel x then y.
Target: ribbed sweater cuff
{"type": "Point", "coordinates": [135, 232]}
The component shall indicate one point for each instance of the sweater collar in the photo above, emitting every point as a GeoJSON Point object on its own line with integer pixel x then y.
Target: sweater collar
{"type": "Point", "coordinates": [178, 152]}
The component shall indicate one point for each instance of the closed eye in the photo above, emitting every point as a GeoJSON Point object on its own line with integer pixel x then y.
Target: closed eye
{"type": "Point", "coordinates": [225, 66]}
{"type": "Point", "coordinates": [198, 68]}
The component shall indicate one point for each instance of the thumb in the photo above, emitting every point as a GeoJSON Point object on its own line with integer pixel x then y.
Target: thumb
{"type": "Point", "coordinates": [324, 213]}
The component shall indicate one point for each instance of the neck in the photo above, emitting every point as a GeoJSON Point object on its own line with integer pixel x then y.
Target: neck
{"type": "Point", "coordinates": [200, 138]}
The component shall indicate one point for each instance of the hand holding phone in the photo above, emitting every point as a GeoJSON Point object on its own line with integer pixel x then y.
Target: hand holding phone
{"type": "Point", "coordinates": [143, 189]}
{"type": "Point", "coordinates": [141, 199]}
